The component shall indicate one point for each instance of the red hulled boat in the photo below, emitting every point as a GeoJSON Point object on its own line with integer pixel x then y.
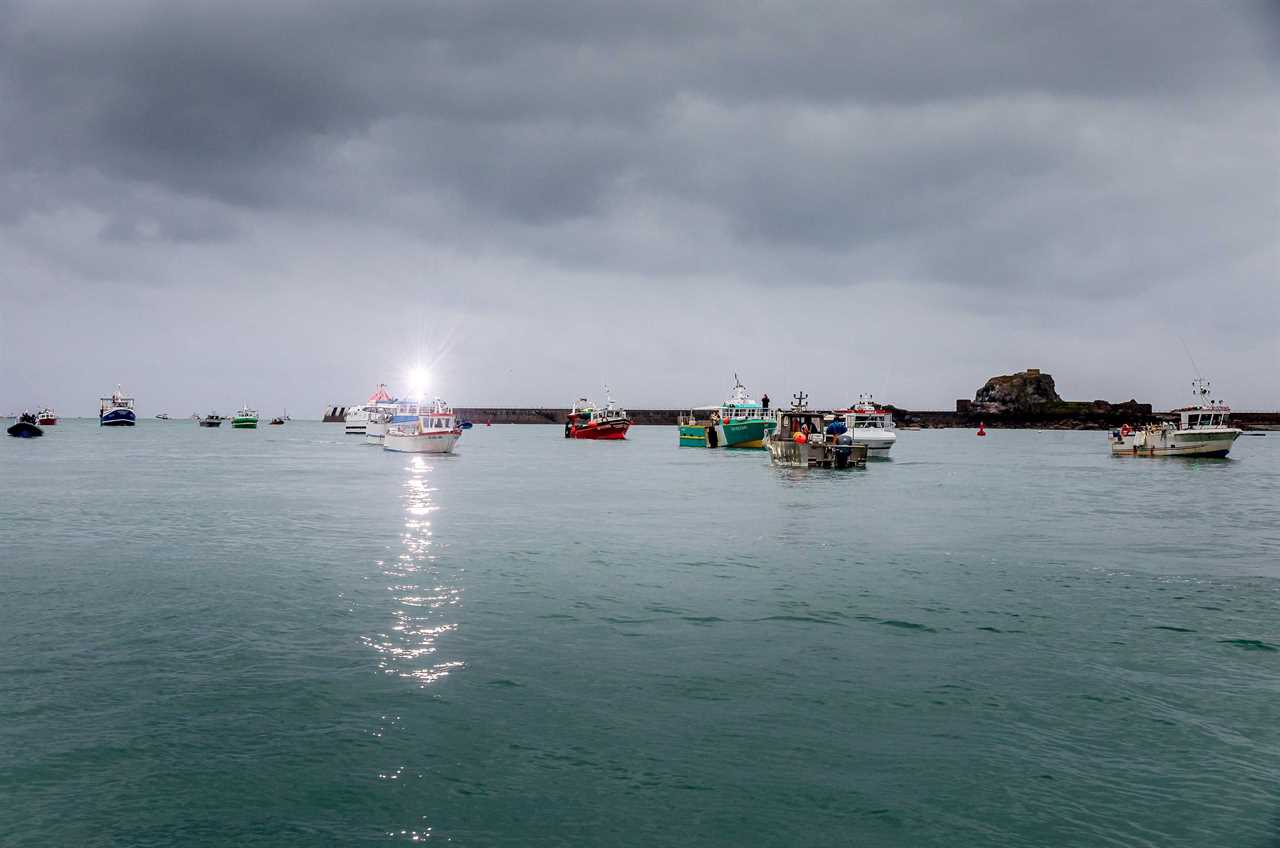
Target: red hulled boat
{"type": "Point", "coordinates": [587, 421]}
{"type": "Point", "coordinates": [46, 417]}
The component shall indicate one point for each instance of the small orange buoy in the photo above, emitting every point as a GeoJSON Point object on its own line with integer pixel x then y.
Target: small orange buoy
{"type": "Point", "coordinates": [982, 429]}
{"type": "Point", "coordinates": [799, 438]}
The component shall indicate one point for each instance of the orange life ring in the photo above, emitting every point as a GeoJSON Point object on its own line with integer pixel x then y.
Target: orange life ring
{"type": "Point", "coordinates": [1126, 430]}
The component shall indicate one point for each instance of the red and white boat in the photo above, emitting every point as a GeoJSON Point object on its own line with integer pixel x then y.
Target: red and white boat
{"type": "Point", "coordinates": [587, 420]}
{"type": "Point", "coordinates": [46, 417]}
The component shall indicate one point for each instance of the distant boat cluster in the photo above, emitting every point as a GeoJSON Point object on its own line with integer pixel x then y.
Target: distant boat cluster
{"type": "Point", "coordinates": [796, 436]}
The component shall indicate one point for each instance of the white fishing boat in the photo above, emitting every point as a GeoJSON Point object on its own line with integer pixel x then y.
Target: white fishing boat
{"type": "Point", "coordinates": [870, 424]}
{"type": "Point", "coordinates": [1202, 429]}
{"type": "Point", "coordinates": [431, 429]}
{"type": "Point", "coordinates": [356, 419]}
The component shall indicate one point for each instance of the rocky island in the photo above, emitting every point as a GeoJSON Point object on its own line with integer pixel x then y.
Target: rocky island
{"type": "Point", "coordinates": [1030, 399]}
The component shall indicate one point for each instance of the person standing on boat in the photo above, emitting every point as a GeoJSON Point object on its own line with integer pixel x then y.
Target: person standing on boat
{"type": "Point", "coordinates": [764, 402]}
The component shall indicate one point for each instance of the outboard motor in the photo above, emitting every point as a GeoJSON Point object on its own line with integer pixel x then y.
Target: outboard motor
{"type": "Point", "coordinates": [843, 450]}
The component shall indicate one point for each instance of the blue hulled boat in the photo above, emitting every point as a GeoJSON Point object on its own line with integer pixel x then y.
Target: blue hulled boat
{"type": "Point", "coordinates": [117, 410]}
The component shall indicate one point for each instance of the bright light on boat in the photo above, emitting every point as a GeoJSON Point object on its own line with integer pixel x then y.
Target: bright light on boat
{"type": "Point", "coordinates": [417, 382]}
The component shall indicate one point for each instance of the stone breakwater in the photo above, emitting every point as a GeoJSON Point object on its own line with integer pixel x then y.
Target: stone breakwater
{"type": "Point", "coordinates": [1071, 419]}
{"type": "Point", "coordinates": [552, 415]}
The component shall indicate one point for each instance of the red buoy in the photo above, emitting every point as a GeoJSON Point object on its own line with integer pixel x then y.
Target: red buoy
{"type": "Point", "coordinates": [799, 438]}
{"type": "Point", "coordinates": [982, 430]}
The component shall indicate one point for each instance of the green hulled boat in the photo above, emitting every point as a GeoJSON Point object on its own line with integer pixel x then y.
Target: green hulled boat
{"type": "Point", "coordinates": [245, 419]}
{"type": "Point", "coordinates": [739, 422]}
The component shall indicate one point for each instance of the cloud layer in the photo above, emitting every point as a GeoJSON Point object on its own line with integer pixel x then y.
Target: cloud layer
{"type": "Point", "coordinates": [540, 197]}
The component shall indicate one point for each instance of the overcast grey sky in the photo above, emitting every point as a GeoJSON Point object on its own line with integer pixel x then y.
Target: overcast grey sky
{"type": "Point", "coordinates": [285, 203]}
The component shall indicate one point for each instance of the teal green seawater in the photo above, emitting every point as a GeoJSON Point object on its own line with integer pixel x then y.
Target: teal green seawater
{"type": "Point", "coordinates": [282, 637]}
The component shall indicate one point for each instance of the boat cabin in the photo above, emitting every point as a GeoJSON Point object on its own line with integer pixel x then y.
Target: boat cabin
{"type": "Point", "coordinates": [741, 412]}
{"type": "Point", "coordinates": [1203, 417]}
{"type": "Point", "coordinates": [807, 421]}
{"type": "Point", "coordinates": [118, 400]}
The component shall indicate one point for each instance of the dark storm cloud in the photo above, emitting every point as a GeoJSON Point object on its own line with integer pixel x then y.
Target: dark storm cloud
{"type": "Point", "coordinates": [550, 110]}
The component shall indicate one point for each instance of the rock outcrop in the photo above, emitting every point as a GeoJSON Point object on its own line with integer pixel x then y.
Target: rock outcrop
{"type": "Point", "coordinates": [1030, 399]}
{"type": "Point", "coordinates": [1023, 392]}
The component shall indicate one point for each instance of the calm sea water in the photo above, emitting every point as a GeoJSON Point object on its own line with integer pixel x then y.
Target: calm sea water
{"type": "Point", "coordinates": [283, 637]}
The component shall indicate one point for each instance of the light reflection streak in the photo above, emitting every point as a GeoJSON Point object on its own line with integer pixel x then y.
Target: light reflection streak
{"type": "Point", "coordinates": [423, 588]}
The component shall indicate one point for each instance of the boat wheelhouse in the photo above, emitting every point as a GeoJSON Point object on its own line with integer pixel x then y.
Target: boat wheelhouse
{"type": "Point", "coordinates": [870, 424]}
{"type": "Point", "coordinates": [385, 413]}
{"type": "Point", "coordinates": [1202, 429]}
{"type": "Point", "coordinates": [117, 410]}
{"type": "Point", "coordinates": [587, 420]}
{"type": "Point", "coordinates": [803, 438]}
{"type": "Point", "coordinates": [431, 429]}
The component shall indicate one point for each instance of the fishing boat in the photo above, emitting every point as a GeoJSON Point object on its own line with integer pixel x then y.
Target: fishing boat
{"type": "Point", "coordinates": [245, 419]}
{"type": "Point", "coordinates": [1202, 429]}
{"type": "Point", "coordinates": [739, 422]}
{"type": "Point", "coordinates": [46, 417]}
{"type": "Point", "coordinates": [430, 429]}
{"type": "Point", "coordinates": [356, 419]}
{"type": "Point", "coordinates": [870, 424]}
{"type": "Point", "coordinates": [26, 428]}
{"type": "Point", "coordinates": [385, 413]}
{"type": "Point", "coordinates": [163, 416]}
{"type": "Point", "coordinates": [804, 438]}
{"type": "Point", "coordinates": [277, 421]}
{"type": "Point", "coordinates": [213, 419]}
{"type": "Point", "coordinates": [587, 420]}
{"type": "Point", "coordinates": [117, 410]}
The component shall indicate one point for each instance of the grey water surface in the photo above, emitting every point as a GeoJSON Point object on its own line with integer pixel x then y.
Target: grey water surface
{"type": "Point", "coordinates": [283, 637]}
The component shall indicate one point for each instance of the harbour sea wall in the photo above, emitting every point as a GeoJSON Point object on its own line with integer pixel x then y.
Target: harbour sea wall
{"type": "Point", "coordinates": [553, 415]}
{"type": "Point", "coordinates": [1073, 420]}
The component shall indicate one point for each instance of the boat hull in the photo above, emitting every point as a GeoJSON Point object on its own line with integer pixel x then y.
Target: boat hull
{"type": "Point", "coordinates": [25, 430]}
{"type": "Point", "coordinates": [607, 431]}
{"type": "Point", "coordinates": [878, 442]}
{"type": "Point", "coordinates": [747, 433]}
{"type": "Point", "coordinates": [356, 422]}
{"type": "Point", "coordinates": [374, 432]}
{"type": "Point", "coordinates": [816, 454]}
{"type": "Point", "coordinates": [117, 418]}
{"type": "Point", "coordinates": [1206, 443]}
{"type": "Point", "coordinates": [432, 442]}
{"type": "Point", "coordinates": [244, 424]}
{"type": "Point", "coordinates": [206, 423]}
{"type": "Point", "coordinates": [46, 422]}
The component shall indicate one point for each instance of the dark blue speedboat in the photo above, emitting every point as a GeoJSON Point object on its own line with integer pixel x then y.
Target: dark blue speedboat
{"type": "Point", "coordinates": [26, 428]}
